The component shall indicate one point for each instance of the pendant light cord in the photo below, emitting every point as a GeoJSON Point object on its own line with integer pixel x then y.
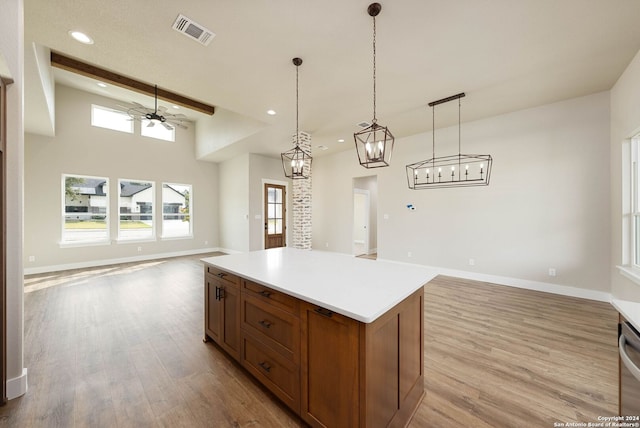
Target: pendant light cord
{"type": "Point", "coordinates": [374, 70]}
{"type": "Point", "coordinates": [297, 98]}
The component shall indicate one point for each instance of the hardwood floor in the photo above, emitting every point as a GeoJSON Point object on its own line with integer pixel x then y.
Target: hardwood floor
{"type": "Point", "coordinates": [121, 346]}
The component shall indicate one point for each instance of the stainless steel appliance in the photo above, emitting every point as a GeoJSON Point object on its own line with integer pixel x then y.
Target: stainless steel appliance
{"type": "Point", "coordinates": [629, 347]}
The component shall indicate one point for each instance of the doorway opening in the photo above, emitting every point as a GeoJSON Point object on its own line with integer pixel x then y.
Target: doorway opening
{"type": "Point", "coordinates": [365, 217]}
{"type": "Point", "coordinates": [275, 215]}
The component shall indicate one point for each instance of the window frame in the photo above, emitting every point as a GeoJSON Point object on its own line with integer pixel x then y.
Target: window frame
{"type": "Point", "coordinates": [106, 240]}
{"type": "Point", "coordinates": [189, 214]}
{"type": "Point", "coordinates": [152, 237]}
{"type": "Point", "coordinates": [111, 110]}
{"type": "Point", "coordinates": [143, 127]}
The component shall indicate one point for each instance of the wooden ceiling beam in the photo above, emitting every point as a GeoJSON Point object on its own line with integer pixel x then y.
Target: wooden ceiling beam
{"type": "Point", "coordinates": [64, 62]}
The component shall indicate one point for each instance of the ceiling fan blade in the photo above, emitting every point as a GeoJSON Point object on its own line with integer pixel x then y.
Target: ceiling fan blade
{"type": "Point", "coordinates": [179, 124]}
{"type": "Point", "coordinates": [151, 124]}
{"type": "Point", "coordinates": [138, 105]}
{"type": "Point", "coordinates": [166, 125]}
{"type": "Point", "coordinates": [162, 109]}
{"type": "Point", "coordinates": [177, 116]}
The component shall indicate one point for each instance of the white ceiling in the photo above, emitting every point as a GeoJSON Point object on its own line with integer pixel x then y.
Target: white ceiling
{"type": "Point", "coordinates": [506, 55]}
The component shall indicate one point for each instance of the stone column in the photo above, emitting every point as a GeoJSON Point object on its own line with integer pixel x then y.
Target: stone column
{"type": "Point", "coordinates": [302, 201]}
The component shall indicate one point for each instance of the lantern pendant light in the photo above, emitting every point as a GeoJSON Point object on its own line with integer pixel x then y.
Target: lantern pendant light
{"type": "Point", "coordinates": [374, 144]}
{"type": "Point", "coordinates": [296, 162]}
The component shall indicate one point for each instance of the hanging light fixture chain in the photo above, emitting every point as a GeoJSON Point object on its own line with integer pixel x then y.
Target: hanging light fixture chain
{"type": "Point", "coordinates": [297, 113]}
{"type": "Point", "coordinates": [374, 70]}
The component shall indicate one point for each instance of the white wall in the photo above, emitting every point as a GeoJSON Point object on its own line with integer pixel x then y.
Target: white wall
{"type": "Point", "coordinates": [625, 123]}
{"type": "Point", "coordinates": [547, 205]}
{"type": "Point", "coordinates": [12, 50]}
{"type": "Point", "coordinates": [79, 148]}
{"type": "Point", "coordinates": [234, 204]}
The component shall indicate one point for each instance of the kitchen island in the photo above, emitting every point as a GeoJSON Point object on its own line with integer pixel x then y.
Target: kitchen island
{"type": "Point", "coordinates": [338, 339]}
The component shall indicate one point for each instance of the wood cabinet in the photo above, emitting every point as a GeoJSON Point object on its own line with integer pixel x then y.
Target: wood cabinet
{"type": "Point", "coordinates": [270, 329]}
{"type": "Point", "coordinates": [362, 374]}
{"type": "Point", "coordinates": [222, 310]}
{"type": "Point", "coordinates": [330, 369]}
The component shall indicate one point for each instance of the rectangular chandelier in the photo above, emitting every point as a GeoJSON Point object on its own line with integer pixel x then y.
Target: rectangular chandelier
{"type": "Point", "coordinates": [460, 170]}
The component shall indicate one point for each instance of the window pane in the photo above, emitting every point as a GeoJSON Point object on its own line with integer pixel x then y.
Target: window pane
{"type": "Point", "coordinates": [637, 239]}
{"type": "Point", "coordinates": [116, 120]}
{"type": "Point", "coordinates": [279, 226]}
{"type": "Point", "coordinates": [271, 194]}
{"type": "Point", "coordinates": [279, 196]}
{"type": "Point", "coordinates": [279, 211]}
{"type": "Point", "coordinates": [272, 210]}
{"type": "Point", "coordinates": [136, 209]}
{"type": "Point", "coordinates": [272, 227]}
{"type": "Point", "coordinates": [157, 130]}
{"type": "Point", "coordinates": [86, 201]}
{"type": "Point", "coordinates": [176, 210]}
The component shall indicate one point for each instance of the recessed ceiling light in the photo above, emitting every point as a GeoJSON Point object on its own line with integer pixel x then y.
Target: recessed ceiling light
{"type": "Point", "coordinates": [176, 107]}
{"type": "Point", "coordinates": [81, 37]}
{"type": "Point", "coordinates": [102, 85]}
{"type": "Point", "coordinates": [271, 112]}
{"type": "Point", "coordinates": [341, 140]}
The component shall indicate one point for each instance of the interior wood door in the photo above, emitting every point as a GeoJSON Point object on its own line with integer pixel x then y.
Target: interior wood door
{"type": "Point", "coordinates": [275, 214]}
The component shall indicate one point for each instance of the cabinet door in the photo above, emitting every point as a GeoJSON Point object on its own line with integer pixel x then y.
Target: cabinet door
{"type": "Point", "coordinates": [212, 309]}
{"type": "Point", "coordinates": [230, 320]}
{"type": "Point", "coordinates": [329, 364]}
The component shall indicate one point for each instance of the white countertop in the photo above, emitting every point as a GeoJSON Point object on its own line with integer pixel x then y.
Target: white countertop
{"type": "Point", "coordinates": [629, 310]}
{"type": "Point", "coordinates": [358, 288]}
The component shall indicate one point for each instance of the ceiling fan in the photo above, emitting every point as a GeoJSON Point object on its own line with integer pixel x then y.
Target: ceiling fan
{"type": "Point", "coordinates": [156, 115]}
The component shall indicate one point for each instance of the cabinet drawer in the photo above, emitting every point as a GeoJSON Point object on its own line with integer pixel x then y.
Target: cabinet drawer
{"type": "Point", "coordinates": [224, 277]}
{"type": "Point", "coordinates": [281, 300]}
{"type": "Point", "coordinates": [278, 374]}
{"type": "Point", "coordinates": [275, 327]}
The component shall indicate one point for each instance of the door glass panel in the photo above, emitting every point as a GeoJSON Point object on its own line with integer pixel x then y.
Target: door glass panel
{"type": "Point", "coordinates": [271, 195]}
{"type": "Point", "coordinates": [278, 196]}
{"type": "Point", "coordinates": [278, 226]}
{"type": "Point", "coordinates": [272, 227]}
{"type": "Point", "coordinates": [272, 211]}
{"type": "Point", "coordinates": [278, 211]}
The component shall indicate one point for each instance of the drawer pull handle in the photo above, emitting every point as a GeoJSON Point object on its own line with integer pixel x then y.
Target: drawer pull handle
{"type": "Point", "coordinates": [265, 366]}
{"type": "Point", "coordinates": [265, 323]}
{"type": "Point", "coordinates": [266, 293]}
{"type": "Point", "coordinates": [221, 275]}
{"type": "Point", "coordinates": [324, 312]}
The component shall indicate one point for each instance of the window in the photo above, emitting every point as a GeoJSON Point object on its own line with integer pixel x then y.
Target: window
{"type": "Point", "coordinates": [85, 215]}
{"type": "Point", "coordinates": [135, 203]}
{"type": "Point", "coordinates": [635, 202]}
{"type": "Point", "coordinates": [154, 129]}
{"type": "Point", "coordinates": [104, 117]}
{"type": "Point", "coordinates": [177, 202]}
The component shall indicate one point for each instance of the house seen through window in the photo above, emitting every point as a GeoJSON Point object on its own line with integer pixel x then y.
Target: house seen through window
{"type": "Point", "coordinates": [135, 205]}
{"type": "Point", "coordinates": [85, 216]}
{"type": "Point", "coordinates": [177, 200]}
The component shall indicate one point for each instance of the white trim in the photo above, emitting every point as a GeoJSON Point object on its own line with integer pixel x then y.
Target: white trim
{"type": "Point", "coordinates": [564, 290]}
{"type": "Point", "coordinates": [631, 273]}
{"type": "Point", "coordinates": [17, 386]}
{"type": "Point", "coordinates": [229, 251]}
{"type": "Point", "coordinates": [95, 263]}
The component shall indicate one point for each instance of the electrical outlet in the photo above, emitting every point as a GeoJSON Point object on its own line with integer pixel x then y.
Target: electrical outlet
{"type": "Point", "coordinates": [326, 244]}
{"type": "Point", "coordinates": [552, 271]}
{"type": "Point", "coordinates": [206, 242]}
{"type": "Point", "coordinates": [32, 258]}
{"type": "Point", "coordinates": [139, 249]}
{"type": "Point", "coordinates": [472, 262]}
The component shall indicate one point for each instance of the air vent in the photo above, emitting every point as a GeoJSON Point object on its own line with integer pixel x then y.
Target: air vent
{"type": "Point", "coordinates": [364, 124]}
{"type": "Point", "coordinates": [193, 30]}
